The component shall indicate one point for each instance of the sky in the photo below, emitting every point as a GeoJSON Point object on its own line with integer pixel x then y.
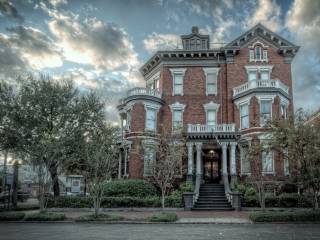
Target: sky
{"type": "Point", "coordinates": [101, 44]}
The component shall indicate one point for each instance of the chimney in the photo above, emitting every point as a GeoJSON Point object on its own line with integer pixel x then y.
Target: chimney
{"type": "Point", "coordinates": [195, 29]}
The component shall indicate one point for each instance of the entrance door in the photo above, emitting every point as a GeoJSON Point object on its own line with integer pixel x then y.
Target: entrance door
{"type": "Point", "coordinates": [212, 171]}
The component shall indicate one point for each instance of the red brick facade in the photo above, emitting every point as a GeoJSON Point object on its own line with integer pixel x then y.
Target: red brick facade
{"type": "Point", "coordinates": [232, 61]}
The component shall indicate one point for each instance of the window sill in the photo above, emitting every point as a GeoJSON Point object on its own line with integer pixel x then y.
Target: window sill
{"type": "Point", "coordinates": [268, 173]}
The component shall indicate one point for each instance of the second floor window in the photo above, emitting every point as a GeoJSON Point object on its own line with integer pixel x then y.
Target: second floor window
{"type": "Point", "coordinates": [264, 75]}
{"type": "Point", "coordinates": [244, 116]}
{"type": "Point", "coordinates": [128, 121]}
{"type": "Point", "coordinates": [265, 111]}
{"type": "Point", "coordinates": [177, 84]}
{"type": "Point", "coordinates": [177, 120]}
{"type": "Point", "coordinates": [211, 83]}
{"type": "Point", "coordinates": [252, 75]}
{"type": "Point", "coordinates": [211, 118]}
{"type": "Point", "coordinates": [151, 119]}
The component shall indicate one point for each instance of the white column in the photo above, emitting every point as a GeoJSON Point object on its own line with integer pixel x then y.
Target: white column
{"type": "Point", "coordinates": [190, 157]}
{"type": "Point", "coordinates": [120, 165]}
{"type": "Point", "coordinates": [125, 161]}
{"type": "Point", "coordinates": [198, 148]}
{"type": "Point", "coordinates": [224, 146]}
{"type": "Point", "coordinates": [233, 166]}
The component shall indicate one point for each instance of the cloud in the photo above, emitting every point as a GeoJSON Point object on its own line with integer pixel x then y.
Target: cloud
{"type": "Point", "coordinates": [157, 41]}
{"type": "Point", "coordinates": [303, 22]}
{"type": "Point", "coordinates": [9, 10]}
{"type": "Point", "coordinates": [56, 3]}
{"type": "Point", "coordinates": [105, 46]}
{"type": "Point", "coordinates": [32, 47]}
{"type": "Point", "coordinates": [268, 13]}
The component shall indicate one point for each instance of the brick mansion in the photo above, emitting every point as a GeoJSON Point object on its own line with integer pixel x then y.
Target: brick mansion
{"type": "Point", "coordinates": [220, 98]}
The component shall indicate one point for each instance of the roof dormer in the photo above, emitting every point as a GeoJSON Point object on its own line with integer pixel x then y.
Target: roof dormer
{"type": "Point", "coordinates": [195, 40]}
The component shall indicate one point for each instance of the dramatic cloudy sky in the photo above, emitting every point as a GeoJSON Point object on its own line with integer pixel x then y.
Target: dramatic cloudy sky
{"type": "Point", "coordinates": [101, 44]}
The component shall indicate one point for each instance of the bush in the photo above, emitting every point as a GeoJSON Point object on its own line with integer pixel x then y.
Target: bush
{"type": "Point", "coordinates": [129, 188]}
{"type": "Point", "coordinates": [100, 217]}
{"type": "Point", "coordinates": [45, 216]}
{"type": "Point", "coordinates": [187, 187]}
{"type": "Point", "coordinates": [174, 200]}
{"type": "Point", "coordinates": [301, 216]}
{"type": "Point", "coordinates": [163, 217]}
{"type": "Point", "coordinates": [11, 216]}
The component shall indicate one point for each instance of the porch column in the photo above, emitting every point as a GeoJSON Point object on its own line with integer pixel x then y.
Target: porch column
{"type": "Point", "coordinates": [198, 148]}
{"type": "Point", "coordinates": [125, 161]}
{"type": "Point", "coordinates": [224, 146]}
{"type": "Point", "coordinates": [190, 161]}
{"type": "Point", "coordinates": [233, 166]}
{"type": "Point", "coordinates": [119, 165]}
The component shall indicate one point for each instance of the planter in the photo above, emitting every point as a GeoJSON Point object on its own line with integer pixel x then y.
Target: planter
{"type": "Point", "coordinates": [236, 200]}
{"type": "Point", "coordinates": [188, 200]}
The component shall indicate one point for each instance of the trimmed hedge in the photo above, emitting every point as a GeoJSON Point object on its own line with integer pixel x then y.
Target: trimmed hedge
{"type": "Point", "coordinates": [100, 217]}
{"type": "Point", "coordinates": [113, 202]}
{"type": "Point", "coordinates": [45, 216]}
{"type": "Point", "coordinates": [163, 217]}
{"type": "Point", "coordinates": [129, 188]}
{"type": "Point", "coordinates": [301, 216]}
{"type": "Point", "coordinates": [11, 216]}
{"type": "Point", "coordinates": [283, 201]}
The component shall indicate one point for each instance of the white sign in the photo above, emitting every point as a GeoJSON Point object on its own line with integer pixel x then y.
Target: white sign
{"type": "Point", "coordinates": [75, 186]}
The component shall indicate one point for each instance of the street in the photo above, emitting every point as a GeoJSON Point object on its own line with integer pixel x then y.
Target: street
{"type": "Point", "coordinates": [79, 231]}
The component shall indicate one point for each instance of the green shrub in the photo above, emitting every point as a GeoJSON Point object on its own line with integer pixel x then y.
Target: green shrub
{"type": "Point", "coordinates": [44, 216]}
{"type": "Point", "coordinates": [11, 216]}
{"type": "Point", "coordinates": [285, 216]}
{"type": "Point", "coordinates": [174, 199]}
{"type": "Point", "coordinates": [163, 217]}
{"type": "Point", "coordinates": [129, 188]}
{"type": "Point", "coordinates": [187, 187]}
{"type": "Point", "coordinates": [100, 217]}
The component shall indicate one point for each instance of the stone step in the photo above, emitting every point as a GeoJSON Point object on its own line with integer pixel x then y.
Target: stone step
{"type": "Point", "coordinates": [212, 209]}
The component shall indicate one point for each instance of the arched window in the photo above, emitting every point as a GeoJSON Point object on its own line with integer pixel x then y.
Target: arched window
{"type": "Point", "coordinates": [258, 54]}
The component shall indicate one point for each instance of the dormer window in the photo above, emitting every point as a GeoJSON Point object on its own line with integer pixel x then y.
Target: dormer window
{"type": "Point", "coordinates": [258, 53]}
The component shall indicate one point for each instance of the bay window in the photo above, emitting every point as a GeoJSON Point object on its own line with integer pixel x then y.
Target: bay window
{"type": "Point", "coordinates": [149, 158]}
{"type": "Point", "coordinates": [265, 111]}
{"type": "Point", "coordinates": [151, 119]}
{"type": "Point", "coordinates": [245, 163]}
{"type": "Point", "coordinates": [283, 111]}
{"type": "Point", "coordinates": [244, 116]}
{"type": "Point", "coordinates": [267, 162]}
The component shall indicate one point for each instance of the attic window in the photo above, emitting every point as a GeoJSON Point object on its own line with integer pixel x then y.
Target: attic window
{"type": "Point", "coordinates": [258, 54]}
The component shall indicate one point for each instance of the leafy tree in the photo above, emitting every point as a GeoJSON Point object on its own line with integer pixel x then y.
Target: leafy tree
{"type": "Point", "coordinates": [168, 161]}
{"type": "Point", "coordinates": [100, 163]}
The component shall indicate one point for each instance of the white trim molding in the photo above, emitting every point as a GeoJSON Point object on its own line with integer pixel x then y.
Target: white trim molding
{"type": "Point", "coordinates": [177, 106]}
{"type": "Point", "coordinates": [214, 70]}
{"type": "Point", "coordinates": [177, 71]}
{"type": "Point", "coordinates": [152, 106]}
{"type": "Point", "coordinates": [258, 42]}
{"type": "Point", "coordinates": [259, 68]}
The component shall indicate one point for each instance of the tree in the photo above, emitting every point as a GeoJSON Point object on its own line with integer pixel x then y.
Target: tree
{"type": "Point", "coordinates": [101, 160]}
{"type": "Point", "coordinates": [300, 144]}
{"type": "Point", "coordinates": [168, 162]}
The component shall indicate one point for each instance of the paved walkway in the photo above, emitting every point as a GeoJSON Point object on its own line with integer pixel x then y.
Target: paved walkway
{"type": "Point", "coordinates": [79, 231]}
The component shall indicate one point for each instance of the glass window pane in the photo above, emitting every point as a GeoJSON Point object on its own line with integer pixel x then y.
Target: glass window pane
{"type": "Point", "coordinates": [211, 78]}
{"type": "Point", "coordinates": [266, 107]}
{"type": "Point", "coordinates": [252, 75]}
{"type": "Point", "coordinates": [178, 78]}
{"type": "Point", "coordinates": [264, 75]}
{"type": "Point", "coordinates": [245, 163]}
{"type": "Point", "coordinates": [267, 162]}
{"type": "Point", "coordinates": [177, 115]}
{"type": "Point", "coordinates": [258, 53]}
{"type": "Point", "coordinates": [211, 88]}
{"type": "Point", "coordinates": [211, 117]}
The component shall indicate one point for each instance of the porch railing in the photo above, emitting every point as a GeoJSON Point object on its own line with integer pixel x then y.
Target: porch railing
{"type": "Point", "coordinates": [203, 128]}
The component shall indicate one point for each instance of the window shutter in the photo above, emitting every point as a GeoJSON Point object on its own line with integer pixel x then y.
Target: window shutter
{"type": "Point", "coordinates": [251, 55]}
{"type": "Point", "coordinates": [265, 55]}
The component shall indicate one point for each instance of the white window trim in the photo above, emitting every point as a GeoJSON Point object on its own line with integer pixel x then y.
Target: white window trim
{"type": "Point", "coordinates": [266, 98]}
{"type": "Point", "coordinates": [211, 106]}
{"type": "Point", "coordinates": [214, 71]}
{"type": "Point", "coordinates": [241, 160]}
{"type": "Point", "coordinates": [262, 138]}
{"type": "Point", "coordinates": [258, 69]}
{"type": "Point", "coordinates": [176, 106]}
{"type": "Point", "coordinates": [177, 71]}
{"type": "Point", "coordinates": [156, 109]}
{"type": "Point", "coordinates": [273, 169]}
{"type": "Point", "coordinates": [263, 49]}
{"type": "Point", "coordinates": [239, 106]}
{"type": "Point", "coordinates": [151, 144]}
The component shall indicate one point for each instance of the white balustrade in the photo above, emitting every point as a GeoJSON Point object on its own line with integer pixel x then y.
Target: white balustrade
{"type": "Point", "coordinates": [276, 83]}
{"type": "Point", "coordinates": [144, 91]}
{"type": "Point", "coordinates": [202, 128]}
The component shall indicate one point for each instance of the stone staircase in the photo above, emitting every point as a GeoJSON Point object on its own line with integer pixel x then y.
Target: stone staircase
{"type": "Point", "coordinates": [212, 198]}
